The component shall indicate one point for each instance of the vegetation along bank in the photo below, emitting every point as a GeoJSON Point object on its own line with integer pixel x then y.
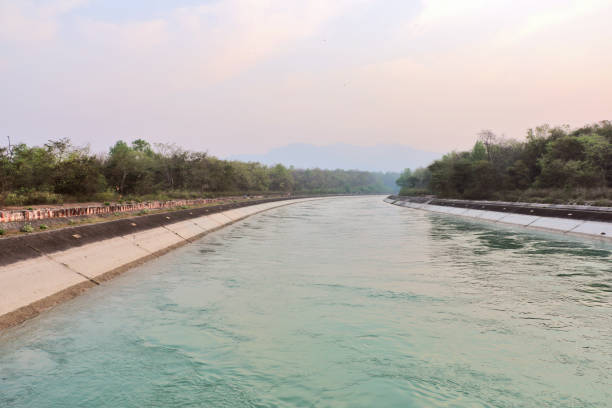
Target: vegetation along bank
{"type": "Point", "coordinates": [552, 165]}
{"type": "Point", "coordinates": [59, 172]}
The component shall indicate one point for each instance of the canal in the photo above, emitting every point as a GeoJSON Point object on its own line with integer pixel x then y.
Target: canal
{"type": "Point", "coordinates": [345, 302]}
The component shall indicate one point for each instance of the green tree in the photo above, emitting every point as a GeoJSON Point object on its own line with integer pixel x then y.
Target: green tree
{"type": "Point", "coordinates": [404, 179]}
{"type": "Point", "coordinates": [479, 152]}
{"type": "Point", "coordinates": [281, 179]}
{"type": "Point", "coordinates": [79, 175]}
{"type": "Point", "coordinates": [33, 167]}
{"type": "Point", "coordinates": [128, 170]}
{"type": "Point", "coordinates": [481, 179]}
{"type": "Point", "coordinates": [598, 153]}
{"type": "Point", "coordinates": [519, 175]}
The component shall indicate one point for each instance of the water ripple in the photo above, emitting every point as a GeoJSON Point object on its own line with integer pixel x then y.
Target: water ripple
{"type": "Point", "coordinates": [341, 302]}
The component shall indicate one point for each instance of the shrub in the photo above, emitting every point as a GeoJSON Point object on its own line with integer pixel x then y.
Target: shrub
{"type": "Point", "coordinates": [2, 232]}
{"type": "Point", "coordinates": [13, 199]}
{"type": "Point", "coordinates": [27, 228]}
{"type": "Point", "coordinates": [106, 203]}
{"type": "Point", "coordinates": [105, 196]}
{"type": "Point", "coordinates": [32, 197]}
{"type": "Point", "coordinates": [43, 226]}
{"type": "Point", "coordinates": [407, 191]}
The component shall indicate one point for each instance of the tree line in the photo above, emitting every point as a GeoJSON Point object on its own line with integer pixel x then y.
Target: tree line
{"type": "Point", "coordinates": [58, 171]}
{"type": "Point", "coordinates": [558, 159]}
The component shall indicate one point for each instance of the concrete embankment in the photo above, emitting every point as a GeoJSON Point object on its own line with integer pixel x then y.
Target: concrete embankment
{"type": "Point", "coordinates": [15, 219]}
{"type": "Point", "coordinates": [586, 221]}
{"type": "Point", "coordinates": [40, 270]}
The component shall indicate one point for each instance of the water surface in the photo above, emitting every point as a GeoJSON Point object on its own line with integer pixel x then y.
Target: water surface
{"type": "Point", "coordinates": [347, 302]}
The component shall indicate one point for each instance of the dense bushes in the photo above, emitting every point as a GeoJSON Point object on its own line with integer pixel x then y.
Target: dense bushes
{"type": "Point", "coordinates": [553, 162]}
{"type": "Point", "coordinates": [58, 172]}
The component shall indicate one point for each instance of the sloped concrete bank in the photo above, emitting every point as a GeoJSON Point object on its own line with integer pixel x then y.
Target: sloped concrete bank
{"type": "Point", "coordinates": [41, 270]}
{"type": "Point", "coordinates": [585, 221]}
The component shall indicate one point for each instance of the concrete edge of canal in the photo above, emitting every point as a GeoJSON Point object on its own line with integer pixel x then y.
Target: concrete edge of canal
{"type": "Point", "coordinates": [41, 270]}
{"type": "Point", "coordinates": [584, 221]}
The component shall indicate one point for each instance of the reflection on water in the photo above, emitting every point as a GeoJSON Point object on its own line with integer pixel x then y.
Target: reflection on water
{"type": "Point", "coordinates": [342, 302]}
{"type": "Point", "coordinates": [550, 254]}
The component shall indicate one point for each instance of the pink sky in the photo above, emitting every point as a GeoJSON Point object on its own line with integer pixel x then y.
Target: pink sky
{"type": "Point", "coordinates": [243, 76]}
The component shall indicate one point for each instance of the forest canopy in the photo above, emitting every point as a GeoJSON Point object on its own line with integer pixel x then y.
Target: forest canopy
{"type": "Point", "coordinates": [58, 171]}
{"type": "Point", "coordinates": [551, 160]}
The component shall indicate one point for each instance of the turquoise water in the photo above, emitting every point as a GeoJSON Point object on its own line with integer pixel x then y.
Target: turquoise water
{"type": "Point", "coordinates": [347, 302]}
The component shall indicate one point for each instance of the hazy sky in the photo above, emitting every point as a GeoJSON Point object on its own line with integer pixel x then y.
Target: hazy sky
{"type": "Point", "coordinates": [243, 76]}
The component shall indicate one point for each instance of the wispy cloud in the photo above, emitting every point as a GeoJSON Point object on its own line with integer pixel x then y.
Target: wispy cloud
{"type": "Point", "coordinates": [553, 16]}
{"type": "Point", "coordinates": [253, 74]}
{"type": "Point", "coordinates": [496, 22]}
{"type": "Point", "coordinates": [28, 21]}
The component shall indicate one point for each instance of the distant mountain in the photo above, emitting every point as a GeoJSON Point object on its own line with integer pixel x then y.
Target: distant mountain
{"type": "Point", "coordinates": [381, 157]}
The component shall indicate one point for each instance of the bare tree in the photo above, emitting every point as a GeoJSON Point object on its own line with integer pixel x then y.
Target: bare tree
{"type": "Point", "coordinates": [488, 139]}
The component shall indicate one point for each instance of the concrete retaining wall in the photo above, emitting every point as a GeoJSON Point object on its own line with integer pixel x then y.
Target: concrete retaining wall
{"type": "Point", "coordinates": [40, 270]}
{"type": "Point", "coordinates": [581, 227]}
{"type": "Point", "coordinates": [19, 216]}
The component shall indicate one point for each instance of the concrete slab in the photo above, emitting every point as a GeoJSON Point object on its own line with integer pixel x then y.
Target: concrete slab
{"type": "Point", "coordinates": [267, 206]}
{"type": "Point", "coordinates": [207, 223]}
{"type": "Point", "coordinates": [594, 228]}
{"type": "Point", "coordinates": [257, 208]}
{"type": "Point", "coordinates": [263, 206]}
{"type": "Point", "coordinates": [186, 229]}
{"type": "Point", "coordinates": [273, 204]}
{"type": "Point", "coordinates": [491, 215]}
{"type": "Point", "coordinates": [28, 281]}
{"type": "Point", "coordinates": [456, 210]}
{"type": "Point", "coordinates": [563, 225]}
{"type": "Point", "coordinates": [518, 219]}
{"type": "Point", "coordinates": [254, 209]}
{"type": "Point", "coordinates": [556, 224]}
{"type": "Point", "coordinates": [221, 218]}
{"type": "Point", "coordinates": [437, 208]}
{"type": "Point", "coordinates": [233, 215]}
{"type": "Point", "coordinates": [100, 257]}
{"type": "Point", "coordinates": [446, 210]}
{"type": "Point", "coordinates": [154, 240]}
{"type": "Point", "coordinates": [473, 213]}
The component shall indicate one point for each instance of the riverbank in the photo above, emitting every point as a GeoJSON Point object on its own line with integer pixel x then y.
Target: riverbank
{"type": "Point", "coordinates": [579, 220]}
{"type": "Point", "coordinates": [349, 300]}
{"type": "Point", "coordinates": [38, 271]}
